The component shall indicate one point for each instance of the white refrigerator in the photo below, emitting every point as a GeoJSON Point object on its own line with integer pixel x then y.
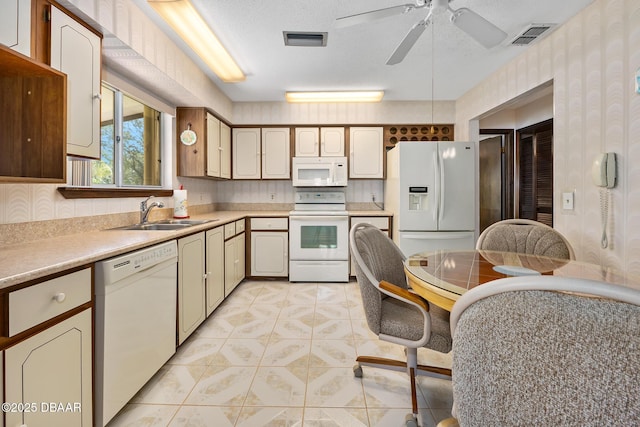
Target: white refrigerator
{"type": "Point", "coordinates": [430, 189]}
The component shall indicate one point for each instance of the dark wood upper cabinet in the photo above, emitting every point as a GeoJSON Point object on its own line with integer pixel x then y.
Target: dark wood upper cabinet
{"type": "Point", "coordinates": [33, 101]}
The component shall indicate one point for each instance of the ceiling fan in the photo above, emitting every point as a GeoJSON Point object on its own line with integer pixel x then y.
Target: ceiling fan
{"type": "Point", "coordinates": [483, 31]}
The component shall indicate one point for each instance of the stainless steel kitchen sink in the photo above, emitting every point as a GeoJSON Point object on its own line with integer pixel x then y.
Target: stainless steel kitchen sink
{"type": "Point", "coordinates": [166, 224]}
{"type": "Point", "coordinates": [185, 221]}
{"type": "Point", "coordinates": [149, 226]}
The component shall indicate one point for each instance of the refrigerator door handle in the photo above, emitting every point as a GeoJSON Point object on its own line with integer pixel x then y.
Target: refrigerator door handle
{"type": "Point", "coordinates": [436, 165]}
{"type": "Point", "coordinates": [442, 189]}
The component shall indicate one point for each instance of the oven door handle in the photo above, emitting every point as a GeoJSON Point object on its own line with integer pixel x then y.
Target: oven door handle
{"type": "Point", "coordinates": [318, 217]}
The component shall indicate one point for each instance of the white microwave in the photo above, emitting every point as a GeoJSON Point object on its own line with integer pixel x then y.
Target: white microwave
{"type": "Point", "coordinates": [319, 171]}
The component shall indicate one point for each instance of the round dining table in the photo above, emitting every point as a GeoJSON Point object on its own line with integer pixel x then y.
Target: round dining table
{"type": "Point", "coordinates": [441, 277]}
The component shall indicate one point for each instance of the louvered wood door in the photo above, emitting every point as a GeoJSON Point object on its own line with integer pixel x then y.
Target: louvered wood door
{"type": "Point", "coordinates": [535, 193]}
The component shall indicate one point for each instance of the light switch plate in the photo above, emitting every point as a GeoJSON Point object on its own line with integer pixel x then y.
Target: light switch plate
{"type": "Point", "coordinates": [567, 201]}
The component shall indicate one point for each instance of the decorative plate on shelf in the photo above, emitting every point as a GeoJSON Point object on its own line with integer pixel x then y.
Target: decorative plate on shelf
{"type": "Point", "coordinates": [188, 137]}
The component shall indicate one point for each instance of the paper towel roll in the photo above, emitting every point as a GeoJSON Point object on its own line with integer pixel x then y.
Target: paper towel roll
{"type": "Point", "coordinates": [180, 204]}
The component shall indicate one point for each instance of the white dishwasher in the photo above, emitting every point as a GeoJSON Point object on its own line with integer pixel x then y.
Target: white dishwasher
{"type": "Point", "coordinates": [135, 324]}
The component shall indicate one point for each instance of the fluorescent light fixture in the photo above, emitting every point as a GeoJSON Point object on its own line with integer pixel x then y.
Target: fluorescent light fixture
{"type": "Point", "coordinates": [190, 26]}
{"type": "Point", "coordinates": [352, 96]}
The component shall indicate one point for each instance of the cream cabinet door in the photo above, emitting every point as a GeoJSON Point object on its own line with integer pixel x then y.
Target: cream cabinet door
{"type": "Point", "coordinates": [52, 366]}
{"type": "Point", "coordinates": [215, 268]}
{"type": "Point", "coordinates": [225, 151]}
{"type": "Point", "coordinates": [76, 51]}
{"type": "Point", "coordinates": [306, 142]}
{"type": "Point", "coordinates": [234, 263]}
{"type": "Point", "coordinates": [230, 262]}
{"type": "Point", "coordinates": [276, 153]}
{"type": "Point", "coordinates": [15, 25]}
{"type": "Point", "coordinates": [269, 256]}
{"type": "Point", "coordinates": [213, 146]}
{"type": "Point", "coordinates": [366, 152]}
{"type": "Point", "coordinates": [332, 142]}
{"type": "Point", "coordinates": [246, 153]}
{"type": "Point", "coordinates": [191, 284]}
{"type": "Point", "coordinates": [240, 256]}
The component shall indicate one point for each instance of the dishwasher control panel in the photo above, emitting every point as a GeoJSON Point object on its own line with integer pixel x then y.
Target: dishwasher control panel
{"type": "Point", "coordinates": [118, 268]}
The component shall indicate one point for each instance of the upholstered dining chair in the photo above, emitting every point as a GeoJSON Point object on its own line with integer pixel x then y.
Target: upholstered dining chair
{"type": "Point", "coordinates": [546, 351]}
{"type": "Point", "coordinates": [392, 311]}
{"type": "Point", "coordinates": [525, 236]}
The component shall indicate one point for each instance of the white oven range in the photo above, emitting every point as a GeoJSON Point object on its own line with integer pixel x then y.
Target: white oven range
{"type": "Point", "coordinates": [319, 237]}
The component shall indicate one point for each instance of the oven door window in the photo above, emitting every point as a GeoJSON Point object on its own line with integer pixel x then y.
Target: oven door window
{"type": "Point", "coordinates": [319, 236]}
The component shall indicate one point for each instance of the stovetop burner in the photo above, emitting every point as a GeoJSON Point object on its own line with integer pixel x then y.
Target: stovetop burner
{"type": "Point", "coordinates": [313, 202]}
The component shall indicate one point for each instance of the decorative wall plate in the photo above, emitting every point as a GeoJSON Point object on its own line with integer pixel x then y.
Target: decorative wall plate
{"type": "Point", "coordinates": [188, 137]}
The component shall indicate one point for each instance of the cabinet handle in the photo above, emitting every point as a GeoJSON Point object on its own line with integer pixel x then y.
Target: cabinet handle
{"type": "Point", "coordinates": [97, 96]}
{"type": "Point", "coordinates": [59, 297]}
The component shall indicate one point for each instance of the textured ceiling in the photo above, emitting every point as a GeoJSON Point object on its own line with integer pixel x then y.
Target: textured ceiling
{"type": "Point", "coordinates": [354, 58]}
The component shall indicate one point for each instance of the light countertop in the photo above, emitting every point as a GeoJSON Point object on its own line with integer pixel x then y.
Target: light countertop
{"type": "Point", "coordinates": [23, 262]}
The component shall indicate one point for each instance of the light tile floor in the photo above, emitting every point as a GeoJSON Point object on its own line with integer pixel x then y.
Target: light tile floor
{"type": "Point", "coordinates": [281, 354]}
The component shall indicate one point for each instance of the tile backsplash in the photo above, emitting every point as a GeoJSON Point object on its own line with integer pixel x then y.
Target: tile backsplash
{"type": "Point", "coordinates": [21, 203]}
{"type": "Point", "coordinates": [281, 191]}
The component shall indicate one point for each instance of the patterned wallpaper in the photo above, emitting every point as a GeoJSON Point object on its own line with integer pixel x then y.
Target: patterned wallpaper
{"type": "Point", "coordinates": [269, 113]}
{"type": "Point", "coordinates": [592, 61]}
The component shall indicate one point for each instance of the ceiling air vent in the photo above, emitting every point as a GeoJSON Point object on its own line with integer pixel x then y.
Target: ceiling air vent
{"type": "Point", "coordinates": [292, 38]}
{"type": "Point", "coordinates": [531, 33]}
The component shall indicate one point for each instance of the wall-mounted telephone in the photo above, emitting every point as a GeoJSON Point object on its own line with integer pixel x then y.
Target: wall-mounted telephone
{"type": "Point", "coordinates": [603, 173]}
{"type": "Point", "coordinates": [604, 170]}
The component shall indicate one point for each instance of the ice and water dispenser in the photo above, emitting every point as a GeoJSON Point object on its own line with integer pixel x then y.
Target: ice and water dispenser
{"type": "Point", "coordinates": [418, 198]}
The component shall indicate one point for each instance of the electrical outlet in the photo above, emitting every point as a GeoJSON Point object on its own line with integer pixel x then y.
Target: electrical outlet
{"type": "Point", "coordinates": [373, 197]}
{"type": "Point", "coordinates": [567, 201]}
{"type": "Point", "coordinates": [272, 196]}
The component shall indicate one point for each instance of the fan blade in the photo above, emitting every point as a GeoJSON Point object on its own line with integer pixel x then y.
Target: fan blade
{"type": "Point", "coordinates": [373, 15]}
{"type": "Point", "coordinates": [409, 40]}
{"type": "Point", "coordinates": [483, 31]}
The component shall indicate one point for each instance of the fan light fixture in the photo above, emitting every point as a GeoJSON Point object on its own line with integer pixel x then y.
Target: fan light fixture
{"type": "Point", "coordinates": [484, 32]}
{"type": "Point", "coordinates": [189, 25]}
{"type": "Point", "coordinates": [352, 96]}
{"type": "Point", "coordinates": [481, 30]}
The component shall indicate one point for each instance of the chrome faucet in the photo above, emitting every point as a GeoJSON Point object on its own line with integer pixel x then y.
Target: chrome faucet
{"type": "Point", "coordinates": [145, 209]}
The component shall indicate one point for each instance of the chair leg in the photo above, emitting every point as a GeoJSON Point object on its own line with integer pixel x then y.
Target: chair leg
{"type": "Point", "coordinates": [382, 362]}
{"type": "Point", "coordinates": [424, 370]}
{"type": "Point", "coordinates": [412, 369]}
{"type": "Point", "coordinates": [414, 397]}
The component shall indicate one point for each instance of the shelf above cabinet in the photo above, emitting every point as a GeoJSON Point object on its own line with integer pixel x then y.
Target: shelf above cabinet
{"type": "Point", "coordinates": [33, 102]}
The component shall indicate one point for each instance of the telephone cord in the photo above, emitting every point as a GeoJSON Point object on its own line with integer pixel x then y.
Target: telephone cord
{"type": "Point", "coordinates": [604, 212]}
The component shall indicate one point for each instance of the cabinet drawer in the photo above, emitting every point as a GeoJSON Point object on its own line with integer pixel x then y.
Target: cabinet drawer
{"type": "Point", "coordinates": [381, 222]}
{"type": "Point", "coordinates": [31, 306]}
{"type": "Point", "coordinates": [229, 230]}
{"type": "Point", "coordinates": [239, 226]}
{"type": "Point", "coordinates": [269, 224]}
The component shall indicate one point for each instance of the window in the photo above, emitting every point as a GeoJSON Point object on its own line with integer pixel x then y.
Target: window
{"type": "Point", "coordinates": [130, 143]}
